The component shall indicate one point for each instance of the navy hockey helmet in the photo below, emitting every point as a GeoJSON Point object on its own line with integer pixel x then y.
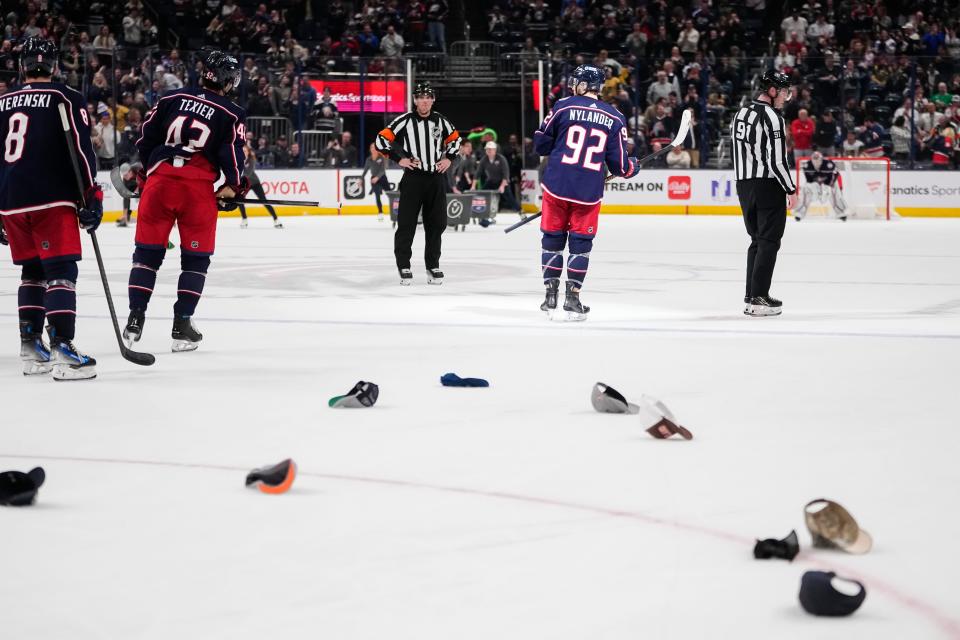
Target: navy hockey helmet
{"type": "Point", "coordinates": [424, 89]}
{"type": "Point", "coordinates": [38, 57]}
{"type": "Point", "coordinates": [590, 76]}
{"type": "Point", "coordinates": [775, 79]}
{"type": "Point", "coordinates": [221, 71]}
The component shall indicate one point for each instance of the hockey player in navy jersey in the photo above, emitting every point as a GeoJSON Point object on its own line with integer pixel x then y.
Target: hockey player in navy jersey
{"type": "Point", "coordinates": [581, 135]}
{"type": "Point", "coordinates": [40, 208]}
{"type": "Point", "coordinates": [189, 139]}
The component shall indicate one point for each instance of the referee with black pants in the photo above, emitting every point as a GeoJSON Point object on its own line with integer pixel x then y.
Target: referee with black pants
{"type": "Point", "coordinates": [425, 144]}
{"type": "Point", "coordinates": [764, 184]}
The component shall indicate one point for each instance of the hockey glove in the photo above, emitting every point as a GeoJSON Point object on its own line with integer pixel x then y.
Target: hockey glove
{"type": "Point", "coordinates": [242, 189]}
{"type": "Point", "coordinates": [3, 234]}
{"type": "Point", "coordinates": [141, 181]}
{"type": "Point", "coordinates": [632, 169]}
{"type": "Point", "coordinates": [91, 213]}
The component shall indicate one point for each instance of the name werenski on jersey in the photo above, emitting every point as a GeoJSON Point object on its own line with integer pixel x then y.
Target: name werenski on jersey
{"type": "Point", "coordinates": [25, 100]}
{"type": "Point", "coordinates": [588, 115]}
{"type": "Point", "coordinates": [193, 106]}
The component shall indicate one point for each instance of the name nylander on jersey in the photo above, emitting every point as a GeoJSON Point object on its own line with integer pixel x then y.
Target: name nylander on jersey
{"type": "Point", "coordinates": [35, 168]}
{"type": "Point", "coordinates": [581, 135]}
{"type": "Point", "coordinates": [199, 130]}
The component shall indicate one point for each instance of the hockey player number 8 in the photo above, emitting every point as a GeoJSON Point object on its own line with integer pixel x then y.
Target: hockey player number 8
{"type": "Point", "coordinates": [13, 145]}
{"type": "Point", "coordinates": [576, 137]}
{"type": "Point", "coordinates": [175, 134]}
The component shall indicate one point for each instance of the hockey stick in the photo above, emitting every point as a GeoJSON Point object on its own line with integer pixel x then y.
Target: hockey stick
{"type": "Point", "coordinates": [144, 359]}
{"type": "Point", "coordinates": [125, 192]}
{"type": "Point", "coordinates": [682, 131]}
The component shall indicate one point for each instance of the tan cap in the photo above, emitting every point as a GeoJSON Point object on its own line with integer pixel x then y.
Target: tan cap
{"type": "Point", "coordinates": [832, 527]}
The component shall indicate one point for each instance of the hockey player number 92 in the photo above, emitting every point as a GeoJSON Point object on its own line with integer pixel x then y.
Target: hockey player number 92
{"type": "Point", "coordinates": [175, 134]}
{"type": "Point", "coordinates": [576, 139]}
{"type": "Point", "coordinates": [14, 144]}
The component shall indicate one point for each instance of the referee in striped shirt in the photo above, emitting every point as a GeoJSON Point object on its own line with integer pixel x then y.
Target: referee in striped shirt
{"type": "Point", "coordinates": [764, 184]}
{"type": "Point", "coordinates": [424, 143]}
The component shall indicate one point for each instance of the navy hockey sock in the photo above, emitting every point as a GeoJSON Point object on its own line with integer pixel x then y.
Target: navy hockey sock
{"type": "Point", "coordinates": [190, 285]}
{"type": "Point", "coordinates": [143, 276]}
{"type": "Point", "coordinates": [551, 258]}
{"type": "Point", "coordinates": [60, 299]}
{"type": "Point", "coordinates": [33, 286]}
{"type": "Point", "coordinates": [579, 259]}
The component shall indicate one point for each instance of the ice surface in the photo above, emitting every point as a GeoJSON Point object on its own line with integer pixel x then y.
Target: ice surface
{"type": "Point", "coordinates": [513, 512]}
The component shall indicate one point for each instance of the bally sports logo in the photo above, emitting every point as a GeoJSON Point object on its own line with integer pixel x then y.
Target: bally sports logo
{"type": "Point", "coordinates": [679, 187]}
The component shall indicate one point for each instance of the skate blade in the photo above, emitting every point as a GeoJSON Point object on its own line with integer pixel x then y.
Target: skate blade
{"type": "Point", "coordinates": [435, 281]}
{"type": "Point", "coordinates": [130, 339]}
{"type": "Point", "coordinates": [406, 282]}
{"type": "Point", "coordinates": [757, 311]}
{"type": "Point", "coordinates": [180, 346]}
{"type": "Point", "coordinates": [66, 372]}
{"type": "Point", "coordinates": [562, 315]}
{"type": "Point", "coordinates": [35, 368]}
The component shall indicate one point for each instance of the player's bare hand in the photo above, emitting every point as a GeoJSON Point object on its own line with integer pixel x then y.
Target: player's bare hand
{"type": "Point", "coordinates": [792, 201]}
{"type": "Point", "coordinates": [226, 193]}
{"type": "Point", "coordinates": [443, 165]}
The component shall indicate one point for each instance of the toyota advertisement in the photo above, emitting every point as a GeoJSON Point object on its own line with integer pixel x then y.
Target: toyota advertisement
{"type": "Point", "coordinates": [388, 96]}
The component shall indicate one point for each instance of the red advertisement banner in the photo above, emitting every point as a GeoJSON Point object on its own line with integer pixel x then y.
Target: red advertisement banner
{"type": "Point", "coordinates": [379, 96]}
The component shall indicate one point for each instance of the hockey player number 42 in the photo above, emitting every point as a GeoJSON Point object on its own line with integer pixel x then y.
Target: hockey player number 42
{"type": "Point", "coordinates": [175, 134]}
{"type": "Point", "coordinates": [577, 137]}
{"type": "Point", "coordinates": [14, 144]}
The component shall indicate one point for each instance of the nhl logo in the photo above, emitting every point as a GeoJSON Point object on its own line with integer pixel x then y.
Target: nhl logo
{"type": "Point", "coordinates": [454, 209]}
{"type": "Point", "coordinates": [435, 132]}
{"type": "Point", "coordinates": [45, 244]}
{"type": "Point", "coordinates": [353, 187]}
{"type": "Point", "coordinates": [194, 244]}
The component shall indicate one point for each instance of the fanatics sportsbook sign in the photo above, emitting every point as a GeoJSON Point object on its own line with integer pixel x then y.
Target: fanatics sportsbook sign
{"type": "Point", "coordinates": [388, 96]}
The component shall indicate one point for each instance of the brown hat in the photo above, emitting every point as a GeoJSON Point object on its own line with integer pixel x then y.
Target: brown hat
{"type": "Point", "coordinates": [832, 527]}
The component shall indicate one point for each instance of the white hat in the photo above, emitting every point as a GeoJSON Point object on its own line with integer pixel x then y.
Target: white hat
{"type": "Point", "coordinates": [490, 145]}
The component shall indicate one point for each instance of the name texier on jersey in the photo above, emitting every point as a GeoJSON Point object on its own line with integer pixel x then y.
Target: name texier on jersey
{"type": "Point", "coordinates": [36, 172]}
{"type": "Point", "coordinates": [580, 135]}
{"type": "Point", "coordinates": [196, 130]}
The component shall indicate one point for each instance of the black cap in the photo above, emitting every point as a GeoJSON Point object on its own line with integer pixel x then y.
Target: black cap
{"type": "Point", "coordinates": [18, 489]}
{"type": "Point", "coordinates": [788, 548]}
{"type": "Point", "coordinates": [363, 394]}
{"type": "Point", "coordinates": [822, 593]}
{"type": "Point", "coordinates": [38, 57]}
{"type": "Point", "coordinates": [424, 89]}
{"type": "Point", "coordinates": [771, 78]}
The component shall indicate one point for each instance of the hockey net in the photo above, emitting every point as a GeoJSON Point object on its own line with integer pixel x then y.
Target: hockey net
{"type": "Point", "coordinates": [864, 188]}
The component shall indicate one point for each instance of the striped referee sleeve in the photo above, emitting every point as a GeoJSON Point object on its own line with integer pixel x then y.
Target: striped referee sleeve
{"type": "Point", "coordinates": [778, 150]}
{"type": "Point", "coordinates": [388, 135]}
{"type": "Point", "coordinates": [451, 139]}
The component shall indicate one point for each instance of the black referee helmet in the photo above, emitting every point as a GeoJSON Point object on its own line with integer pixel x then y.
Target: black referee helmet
{"type": "Point", "coordinates": [38, 57]}
{"type": "Point", "coordinates": [424, 89]}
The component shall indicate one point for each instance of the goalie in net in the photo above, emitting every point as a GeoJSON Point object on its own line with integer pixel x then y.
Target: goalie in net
{"type": "Point", "coordinates": [823, 186]}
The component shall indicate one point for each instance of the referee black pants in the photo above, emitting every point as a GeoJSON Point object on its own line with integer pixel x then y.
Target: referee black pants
{"type": "Point", "coordinates": [420, 190]}
{"type": "Point", "coordinates": [764, 205]}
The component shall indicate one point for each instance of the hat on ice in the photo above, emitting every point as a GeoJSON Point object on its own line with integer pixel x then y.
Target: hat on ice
{"type": "Point", "coordinates": [19, 489]}
{"type": "Point", "coordinates": [363, 394]}
{"type": "Point", "coordinates": [822, 593]}
{"type": "Point", "coordinates": [275, 479]}
{"type": "Point", "coordinates": [606, 399]}
{"type": "Point", "coordinates": [453, 380]}
{"type": "Point", "coordinates": [658, 420]}
{"type": "Point", "coordinates": [832, 527]}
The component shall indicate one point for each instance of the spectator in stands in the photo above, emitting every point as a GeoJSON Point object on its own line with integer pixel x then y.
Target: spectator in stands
{"type": "Point", "coordinates": [392, 43]}
{"type": "Point", "coordinates": [104, 141]}
{"type": "Point", "coordinates": [909, 113]}
{"type": "Point", "coordinates": [349, 151]}
{"type": "Point", "coordinates": [871, 135]}
{"type": "Point", "coordinates": [688, 40]}
{"type": "Point", "coordinates": [820, 29]}
{"type": "Point", "coordinates": [415, 20]}
{"type": "Point", "coordinates": [465, 168]}
{"type": "Point", "coordinates": [436, 19]}
{"type": "Point", "coordinates": [928, 117]}
{"type": "Point", "coordinates": [168, 80]}
{"type": "Point", "coordinates": [369, 42]}
{"type": "Point", "coordinates": [132, 28]}
{"type": "Point", "coordinates": [852, 146]}
{"type": "Point", "coordinates": [828, 81]}
{"type": "Point", "coordinates": [678, 158]}
{"type": "Point", "coordinates": [660, 89]}
{"type": "Point", "coordinates": [802, 130]}
{"type": "Point", "coordinates": [104, 39]}
{"type": "Point", "coordinates": [326, 105]}
{"type": "Point", "coordinates": [942, 98]}
{"type": "Point", "coordinates": [784, 60]}
{"type": "Point", "coordinates": [334, 155]}
{"type": "Point", "coordinates": [901, 139]}
{"type": "Point", "coordinates": [827, 134]}
{"type": "Point", "coordinates": [636, 42]}
{"type": "Point", "coordinates": [493, 173]}
{"type": "Point", "coordinates": [263, 102]}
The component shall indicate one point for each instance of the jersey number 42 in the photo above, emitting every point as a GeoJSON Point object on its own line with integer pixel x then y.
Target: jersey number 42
{"type": "Point", "coordinates": [577, 142]}
{"type": "Point", "coordinates": [175, 134]}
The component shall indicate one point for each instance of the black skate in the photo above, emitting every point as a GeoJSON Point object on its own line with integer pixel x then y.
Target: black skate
{"type": "Point", "coordinates": [185, 335]}
{"type": "Point", "coordinates": [550, 300]}
{"type": "Point", "coordinates": [760, 306]}
{"type": "Point", "coordinates": [34, 353]}
{"type": "Point", "coordinates": [576, 310]}
{"type": "Point", "coordinates": [134, 328]}
{"type": "Point", "coordinates": [68, 362]}
{"type": "Point", "coordinates": [406, 277]}
{"type": "Point", "coordinates": [277, 224]}
{"type": "Point", "coordinates": [434, 276]}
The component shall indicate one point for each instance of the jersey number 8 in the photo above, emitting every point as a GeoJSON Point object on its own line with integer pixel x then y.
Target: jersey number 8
{"type": "Point", "coordinates": [14, 144]}
{"type": "Point", "coordinates": [175, 134]}
{"type": "Point", "coordinates": [576, 138]}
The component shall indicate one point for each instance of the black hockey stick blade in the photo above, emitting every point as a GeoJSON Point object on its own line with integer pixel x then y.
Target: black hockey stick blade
{"type": "Point", "coordinates": [143, 359]}
{"type": "Point", "coordinates": [517, 225]}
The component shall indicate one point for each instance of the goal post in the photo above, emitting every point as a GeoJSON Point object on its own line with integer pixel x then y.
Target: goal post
{"type": "Point", "coordinates": [864, 185]}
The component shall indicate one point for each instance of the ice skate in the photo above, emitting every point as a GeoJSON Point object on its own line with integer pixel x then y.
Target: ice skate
{"type": "Point", "coordinates": [406, 277]}
{"type": "Point", "coordinates": [379, 217]}
{"type": "Point", "coordinates": [243, 223]}
{"type": "Point", "coordinates": [550, 300]}
{"type": "Point", "coordinates": [122, 222]}
{"type": "Point", "coordinates": [185, 335]}
{"type": "Point", "coordinates": [574, 310]}
{"type": "Point", "coordinates": [34, 353]}
{"type": "Point", "coordinates": [68, 362]}
{"type": "Point", "coordinates": [434, 276]}
{"type": "Point", "coordinates": [277, 224]}
{"type": "Point", "coordinates": [763, 306]}
{"type": "Point", "coordinates": [134, 328]}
